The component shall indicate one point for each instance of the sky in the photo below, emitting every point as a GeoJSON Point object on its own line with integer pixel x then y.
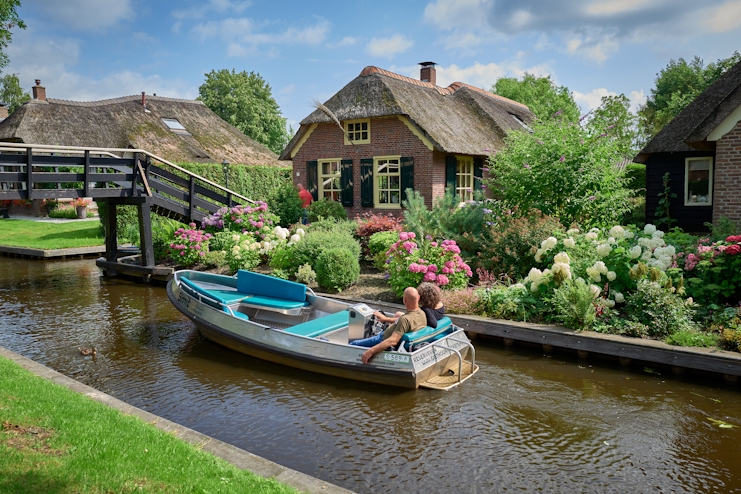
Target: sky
{"type": "Point", "coordinates": [86, 50]}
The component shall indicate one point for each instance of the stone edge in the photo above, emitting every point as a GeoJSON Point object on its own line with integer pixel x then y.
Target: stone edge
{"type": "Point", "coordinates": [236, 456]}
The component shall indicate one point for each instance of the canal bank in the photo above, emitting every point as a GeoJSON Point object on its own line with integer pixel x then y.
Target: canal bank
{"type": "Point", "coordinates": [236, 456]}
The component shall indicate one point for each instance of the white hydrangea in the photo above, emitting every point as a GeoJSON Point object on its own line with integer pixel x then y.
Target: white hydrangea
{"type": "Point", "coordinates": [649, 229]}
{"type": "Point", "coordinates": [235, 238]}
{"type": "Point", "coordinates": [658, 234]}
{"type": "Point", "coordinates": [301, 232]}
{"type": "Point", "coordinates": [662, 263]}
{"type": "Point", "coordinates": [595, 290]}
{"type": "Point", "coordinates": [572, 231]}
{"type": "Point", "coordinates": [617, 232]}
{"type": "Point", "coordinates": [591, 236]}
{"type": "Point", "coordinates": [539, 255]}
{"type": "Point", "coordinates": [635, 252]}
{"type": "Point", "coordinates": [280, 233]}
{"type": "Point", "coordinates": [517, 286]}
{"type": "Point", "coordinates": [600, 267]}
{"type": "Point", "coordinates": [629, 234]}
{"type": "Point", "coordinates": [645, 242]}
{"type": "Point", "coordinates": [668, 251]}
{"type": "Point", "coordinates": [569, 243]}
{"type": "Point", "coordinates": [548, 243]}
{"type": "Point", "coordinates": [593, 274]}
{"type": "Point", "coordinates": [562, 257]}
{"type": "Point", "coordinates": [595, 230]}
{"type": "Point", "coordinates": [611, 275]}
{"type": "Point", "coordinates": [563, 269]}
{"type": "Point", "coordinates": [619, 297]}
{"type": "Point", "coordinates": [295, 238]}
{"type": "Point", "coordinates": [603, 250]}
{"type": "Point", "coordinates": [534, 277]}
{"type": "Point", "coordinates": [611, 241]}
{"type": "Point", "coordinates": [610, 303]}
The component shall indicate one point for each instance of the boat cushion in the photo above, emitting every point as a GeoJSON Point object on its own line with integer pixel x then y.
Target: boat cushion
{"type": "Point", "coordinates": [321, 325]}
{"type": "Point", "coordinates": [427, 333]}
{"type": "Point", "coordinates": [271, 287]}
{"type": "Point", "coordinates": [272, 303]}
{"type": "Point", "coordinates": [223, 296]}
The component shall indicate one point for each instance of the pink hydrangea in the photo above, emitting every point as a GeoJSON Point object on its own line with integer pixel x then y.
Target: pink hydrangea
{"type": "Point", "coordinates": [432, 268]}
{"type": "Point", "coordinates": [442, 280]}
{"type": "Point", "coordinates": [403, 236]}
{"type": "Point", "coordinates": [691, 262]}
{"type": "Point", "coordinates": [430, 277]}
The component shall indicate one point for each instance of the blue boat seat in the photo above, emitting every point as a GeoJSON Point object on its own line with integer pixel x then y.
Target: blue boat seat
{"type": "Point", "coordinates": [271, 303]}
{"type": "Point", "coordinates": [270, 292]}
{"type": "Point", "coordinates": [427, 333]}
{"type": "Point", "coordinates": [223, 296]}
{"type": "Point", "coordinates": [321, 326]}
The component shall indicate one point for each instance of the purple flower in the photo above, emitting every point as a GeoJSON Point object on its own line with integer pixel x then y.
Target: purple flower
{"type": "Point", "coordinates": [526, 166]}
{"type": "Point", "coordinates": [562, 158]}
{"type": "Point", "coordinates": [558, 113]}
{"type": "Point", "coordinates": [592, 198]}
{"type": "Point", "coordinates": [484, 169]}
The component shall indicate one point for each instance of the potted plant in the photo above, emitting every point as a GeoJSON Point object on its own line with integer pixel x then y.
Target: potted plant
{"type": "Point", "coordinates": [81, 205]}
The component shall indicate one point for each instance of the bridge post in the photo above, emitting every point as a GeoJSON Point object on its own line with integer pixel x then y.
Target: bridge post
{"type": "Point", "coordinates": [29, 173]}
{"type": "Point", "coordinates": [86, 187]}
{"type": "Point", "coordinates": [192, 199]}
{"type": "Point", "coordinates": [111, 243]}
{"type": "Point", "coordinates": [145, 233]}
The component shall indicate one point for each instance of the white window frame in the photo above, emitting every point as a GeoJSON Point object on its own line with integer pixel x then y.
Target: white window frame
{"type": "Point", "coordinates": [329, 177]}
{"type": "Point", "coordinates": [379, 160]}
{"type": "Point", "coordinates": [463, 191]}
{"type": "Point", "coordinates": [687, 162]}
{"type": "Point", "coordinates": [354, 133]}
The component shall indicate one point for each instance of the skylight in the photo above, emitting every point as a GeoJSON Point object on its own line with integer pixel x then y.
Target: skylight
{"type": "Point", "coordinates": [519, 121]}
{"type": "Point", "coordinates": [173, 124]}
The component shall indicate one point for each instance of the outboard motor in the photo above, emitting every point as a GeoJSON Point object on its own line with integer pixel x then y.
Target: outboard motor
{"type": "Point", "coordinates": [361, 320]}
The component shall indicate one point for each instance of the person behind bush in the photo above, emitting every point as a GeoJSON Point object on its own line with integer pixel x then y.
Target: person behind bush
{"type": "Point", "coordinates": [306, 200]}
{"type": "Point", "coordinates": [430, 301]}
{"type": "Point", "coordinates": [413, 320]}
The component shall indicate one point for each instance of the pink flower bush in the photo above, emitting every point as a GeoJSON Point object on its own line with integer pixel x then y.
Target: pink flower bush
{"type": "Point", "coordinates": [189, 246]}
{"type": "Point", "coordinates": [253, 219]}
{"type": "Point", "coordinates": [410, 263]}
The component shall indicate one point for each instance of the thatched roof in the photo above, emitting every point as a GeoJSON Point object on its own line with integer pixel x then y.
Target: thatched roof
{"type": "Point", "coordinates": [459, 119]}
{"type": "Point", "coordinates": [690, 129]}
{"type": "Point", "coordinates": [123, 123]}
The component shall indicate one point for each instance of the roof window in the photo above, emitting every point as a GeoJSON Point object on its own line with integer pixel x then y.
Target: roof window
{"type": "Point", "coordinates": [175, 126]}
{"type": "Point", "coordinates": [519, 121]}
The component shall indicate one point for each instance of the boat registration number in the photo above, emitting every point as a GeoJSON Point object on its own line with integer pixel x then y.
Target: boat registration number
{"type": "Point", "coordinates": [393, 357]}
{"type": "Point", "coordinates": [184, 299]}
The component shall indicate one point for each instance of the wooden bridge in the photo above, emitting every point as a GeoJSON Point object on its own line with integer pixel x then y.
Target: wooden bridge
{"type": "Point", "coordinates": [114, 177]}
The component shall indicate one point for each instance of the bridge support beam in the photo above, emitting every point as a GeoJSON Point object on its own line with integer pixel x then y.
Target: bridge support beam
{"type": "Point", "coordinates": [145, 233]}
{"type": "Point", "coordinates": [111, 243]}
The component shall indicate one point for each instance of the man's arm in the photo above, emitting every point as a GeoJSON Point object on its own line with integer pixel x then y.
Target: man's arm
{"type": "Point", "coordinates": [389, 342]}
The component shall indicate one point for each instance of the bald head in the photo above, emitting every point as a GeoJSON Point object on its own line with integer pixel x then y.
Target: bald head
{"type": "Point", "coordinates": [411, 298]}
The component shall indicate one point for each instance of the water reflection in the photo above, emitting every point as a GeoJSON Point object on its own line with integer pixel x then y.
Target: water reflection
{"type": "Point", "coordinates": [525, 422]}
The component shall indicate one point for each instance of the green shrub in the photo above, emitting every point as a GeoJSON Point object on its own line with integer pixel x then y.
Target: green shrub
{"type": "Point", "coordinates": [163, 233]}
{"type": "Point", "coordinates": [215, 259]}
{"type": "Point", "coordinates": [687, 337]}
{"type": "Point", "coordinates": [337, 269]}
{"type": "Point", "coordinates": [326, 209]}
{"type": "Point", "coordinates": [255, 182]}
{"type": "Point", "coordinates": [730, 339]}
{"type": "Point", "coordinates": [623, 327]}
{"type": "Point", "coordinates": [221, 241]}
{"type": "Point", "coordinates": [635, 173]}
{"type": "Point", "coordinates": [461, 301]}
{"type": "Point", "coordinates": [512, 302]}
{"type": "Point", "coordinates": [286, 203]}
{"type": "Point", "coordinates": [378, 245]}
{"type": "Point", "coordinates": [280, 273]}
{"type": "Point", "coordinates": [372, 223]}
{"type": "Point", "coordinates": [63, 213]}
{"type": "Point", "coordinates": [723, 228]}
{"type": "Point", "coordinates": [661, 311]}
{"type": "Point", "coordinates": [309, 249]}
{"type": "Point", "coordinates": [306, 275]}
{"type": "Point", "coordinates": [333, 225]}
{"type": "Point", "coordinates": [573, 303]}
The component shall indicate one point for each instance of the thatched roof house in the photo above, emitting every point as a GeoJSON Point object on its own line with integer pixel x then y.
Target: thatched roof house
{"type": "Point", "coordinates": [400, 132]}
{"type": "Point", "coordinates": [699, 149]}
{"type": "Point", "coordinates": [177, 130]}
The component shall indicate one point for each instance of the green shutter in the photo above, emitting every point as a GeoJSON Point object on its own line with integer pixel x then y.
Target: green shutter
{"type": "Point", "coordinates": [366, 182]}
{"type": "Point", "coordinates": [451, 164]}
{"type": "Point", "coordinates": [346, 183]}
{"type": "Point", "coordinates": [407, 174]}
{"type": "Point", "coordinates": [478, 163]}
{"type": "Point", "coordinates": [312, 178]}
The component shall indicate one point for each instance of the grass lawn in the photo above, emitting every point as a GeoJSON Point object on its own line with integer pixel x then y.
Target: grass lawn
{"type": "Point", "coordinates": [48, 236]}
{"type": "Point", "coordinates": [55, 440]}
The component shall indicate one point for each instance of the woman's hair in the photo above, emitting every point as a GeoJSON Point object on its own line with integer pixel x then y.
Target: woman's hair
{"type": "Point", "coordinates": [429, 295]}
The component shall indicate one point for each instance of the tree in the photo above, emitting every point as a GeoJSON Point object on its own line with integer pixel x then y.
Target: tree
{"type": "Point", "coordinates": [11, 92]}
{"type": "Point", "coordinates": [614, 120]}
{"type": "Point", "coordinates": [541, 95]}
{"type": "Point", "coordinates": [677, 85]}
{"type": "Point", "coordinates": [245, 101]}
{"type": "Point", "coordinates": [8, 20]}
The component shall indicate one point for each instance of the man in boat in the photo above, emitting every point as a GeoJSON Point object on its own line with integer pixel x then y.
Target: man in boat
{"type": "Point", "coordinates": [413, 320]}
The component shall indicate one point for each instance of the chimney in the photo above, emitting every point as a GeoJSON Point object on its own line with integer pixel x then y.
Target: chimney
{"type": "Point", "coordinates": [39, 91]}
{"type": "Point", "coordinates": [3, 111]}
{"type": "Point", "coordinates": [144, 99]}
{"type": "Point", "coordinates": [427, 73]}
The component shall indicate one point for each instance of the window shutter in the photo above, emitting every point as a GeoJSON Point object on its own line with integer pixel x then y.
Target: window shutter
{"type": "Point", "coordinates": [407, 174]}
{"type": "Point", "coordinates": [366, 182]}
{"type": "Point", "coordinates": [478, 164]}
{"type": "Point", "coordinates": [346, 183]}
{"type": "Point", "coordinates": [312, 178]}
{"type": "Point", "coordinates": [451, 164]}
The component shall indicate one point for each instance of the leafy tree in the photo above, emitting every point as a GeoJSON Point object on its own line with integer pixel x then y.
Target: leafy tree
{"type": "Point", "coordinates": [245, 100]}
{"type": "Point", "coordinates": [614, 119]}
{"type": "Point", "coordinates": [541, 95]}
{"type": "Point", "coordinates": [8, 20]}
{"type": "Point", "coordinates": [677, 85]}
{"type": "Point", "coordinates": [11, 92]}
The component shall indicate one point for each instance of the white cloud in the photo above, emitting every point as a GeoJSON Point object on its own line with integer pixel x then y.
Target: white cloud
{"type": "Point", "coordinates": [462, 13]}
{"type": "Point", "coordinates": [388, 47]}
{"type": "Point", "coordinates": [591, 100]}
{"type": "Point", "coordinates": [723, 18]}
{"type": "Point", "coordinates": [610, 7]}
{"type": "Point", "coordinates": [85, 15]}
{"type": "Point", "coordinates": [478, 75]}
{"type": "Point", "coordinates": [597, 47]}
{"type": "Point", "coordinates": [346, 41]}
{"type": "Point", "coordinates": [218, 6]}
{"type": "Point", "coordinates": [637, 99]}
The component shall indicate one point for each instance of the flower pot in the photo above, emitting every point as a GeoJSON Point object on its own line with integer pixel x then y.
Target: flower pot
{"type": "Point", "coordinates": [81, 212]}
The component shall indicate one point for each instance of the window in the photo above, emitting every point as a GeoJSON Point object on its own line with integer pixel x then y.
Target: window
{"type": "Point", "coordinates": [698, 182]}
{"type": "Point", "coordinates": [329, 179]}
{"type": "Point", "coordinates": [519, 121]}
{"type": "Point", "coordinates": [387, 182]}
{"type": "Point", "coordinates": [175, 126]}
{"type": "Point", "coordinates": [464, 178]}
{"type": "Point", "coordinates": [358, 132]}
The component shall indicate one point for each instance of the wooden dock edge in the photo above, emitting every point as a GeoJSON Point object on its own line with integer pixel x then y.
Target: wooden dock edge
{"type": "Point", "coordinates": [25, 252]}
{"type": "Point", "coordinates": [626, 349]}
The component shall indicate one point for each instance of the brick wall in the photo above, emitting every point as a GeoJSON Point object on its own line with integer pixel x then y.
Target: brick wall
{"type": "Point", "coordinates": [389, 137]}
{"type": "Point", "coordinates": [727, 176]}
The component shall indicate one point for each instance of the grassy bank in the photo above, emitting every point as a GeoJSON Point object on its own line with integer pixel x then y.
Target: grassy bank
{"type": "Point", "coordinates": [55, 440]}
{"type": "Point", "coordinates": [49, 236]}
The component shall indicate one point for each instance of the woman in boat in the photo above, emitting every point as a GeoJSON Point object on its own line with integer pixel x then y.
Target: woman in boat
{"type": "Point", "coordinates": [430, 301]}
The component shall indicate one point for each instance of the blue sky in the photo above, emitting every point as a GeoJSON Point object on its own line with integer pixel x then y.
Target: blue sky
{"type": "Point", "coordinates": [95, 49]}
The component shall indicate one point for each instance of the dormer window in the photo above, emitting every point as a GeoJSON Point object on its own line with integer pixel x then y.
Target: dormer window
{"type": "Point", "coordinates": [357, 131]}
{"type": "Point", "coordinates": [175, 126]}
{"type": "Point", "coordinates": [519, 121]}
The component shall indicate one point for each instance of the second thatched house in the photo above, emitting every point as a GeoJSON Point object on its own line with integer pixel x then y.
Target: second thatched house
{"type": "Point", "coordinates": [177, 130]}
{"type": "Point", "coordinates": [383, 133]}
{"type": "Point", "coordinates": [700, 149]}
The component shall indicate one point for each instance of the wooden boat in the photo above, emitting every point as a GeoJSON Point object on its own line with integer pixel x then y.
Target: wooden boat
{"type": "Point", "coordinates": [286, 322]}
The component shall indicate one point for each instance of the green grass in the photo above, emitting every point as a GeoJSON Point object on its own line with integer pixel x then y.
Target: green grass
{"type": "Point", "coordinates": [692, 338]}
{"type": "Point", "coordinates": [48, 236]}
{"type": "Point", "coordinates": [55, 440]}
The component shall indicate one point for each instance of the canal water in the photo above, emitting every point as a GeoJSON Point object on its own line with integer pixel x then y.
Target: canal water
{"type": "Point", "coordinates": [526, 422]}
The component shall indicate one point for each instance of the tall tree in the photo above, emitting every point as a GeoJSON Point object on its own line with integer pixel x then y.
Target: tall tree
{"type": "Point", "coordinates": [614, 120]}
{"type": "Point", "coordinates": [245, 100]}
{"type": "Point", "coordinates": [11, 92]}
{"type": "Point", "coordinates": [676, 86]}
{"type": "Point", "coordinates": [8, 20]}
{"type": "Point", "coordinates": [541, 95]}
